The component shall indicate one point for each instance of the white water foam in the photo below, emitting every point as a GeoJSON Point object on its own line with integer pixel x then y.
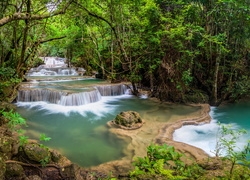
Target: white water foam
{"type": "Point", "coordinates": [99, 108]}
{"type": "Point", "coordinates": [204, 136]}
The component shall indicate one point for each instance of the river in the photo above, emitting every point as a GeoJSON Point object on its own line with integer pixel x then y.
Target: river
{"type": "Point", "coordinates": [79, 131]}
{"type": "Point", "coordinates": [205, 136]}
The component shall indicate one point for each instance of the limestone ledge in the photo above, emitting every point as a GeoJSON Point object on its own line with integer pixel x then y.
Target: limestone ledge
{"type": "Point", "coordinates": [137, 145]}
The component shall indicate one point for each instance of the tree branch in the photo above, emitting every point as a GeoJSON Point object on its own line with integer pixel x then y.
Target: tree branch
{"type": "Point", "coordinates": [52, 39]}
{"type": "Point", "coordinates": [27, 16]}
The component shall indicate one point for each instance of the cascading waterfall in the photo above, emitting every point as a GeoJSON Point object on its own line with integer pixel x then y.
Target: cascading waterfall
{"type": "Point", "coordinates": [112, 90]}
{"type": "Point", "coordinates": [40, 95]}
{"type": "Point", "coordinates": [70, 99]}
{"type": "Point", "coordinates": [79, 99]}
{"type": "Point", "coordinates": [52, 72]}
{"type": "Point", "coordinates": [53, 66]}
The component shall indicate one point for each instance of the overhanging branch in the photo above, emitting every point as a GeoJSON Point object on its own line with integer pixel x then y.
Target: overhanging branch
{"type": "Point", "coordinates": [27, 16]}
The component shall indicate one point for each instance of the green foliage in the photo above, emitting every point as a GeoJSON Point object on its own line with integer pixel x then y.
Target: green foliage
{"type": "Point", "coordinates": [165, 152]}
{"type": "Point", "coordinates": [43, 137]}
{"type": "Point", "coordinates": [226, 143]}
{"type": "Point", "coordinates": [8, 80]}
{"type": "Point", "coordinates": [44, 162]}
{"type": "Point", "coordinates": [23, 140]}
{"type": "Point", "coordinates": [158, 157]}
{"type": "Point", "coordinates": [14, 119]}
{"type": "Point", "coordinates": [6, 73]}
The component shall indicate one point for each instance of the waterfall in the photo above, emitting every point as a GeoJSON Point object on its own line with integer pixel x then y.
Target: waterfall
{"type": "Point", "coordinates": [52, 72]}
{"type": "Point", "coordinates": [70, 99]}
{"type": "Point", "coordinates": [112, 90]}
{"type": "Point", "coordinates": [58, 97]}
{"type": "Point", "coordinates": [78, 99]}
{"type": "Point", "coordinates": [40, 95]}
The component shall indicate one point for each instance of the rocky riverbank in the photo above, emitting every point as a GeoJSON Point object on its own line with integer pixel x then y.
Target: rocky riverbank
{"type": "Point", "coordinates": [34, 161]}
{"type": "Point", "coordinates": [139, 139]}
{"type": "Point", "coordinates": [30, 160]}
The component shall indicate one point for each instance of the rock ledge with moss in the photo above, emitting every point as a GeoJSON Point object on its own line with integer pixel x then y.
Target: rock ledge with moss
{"type": "Point", "coordinates": [128, 120]}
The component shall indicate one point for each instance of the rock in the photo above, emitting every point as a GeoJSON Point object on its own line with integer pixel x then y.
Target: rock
{"type": "Point", "coordinates": [8, 147]}
{"type": "Point", "coordinates": [34, 177]}
{"type": "Point", "coordinates": [7, 106]}
{"type": "Point", "coordinates": [59, 159]}
{"type": "Point", "coordinates": [212, 163]}
{"type": "Point", "coordinates": [128, 119]}
{"type": "Point", "coordinates": [36, 153]}
{"type": "Point", "coordinates": [75, 172]}
{"type": "Point", "coordinates": [55, 156]}
{"type": "Point", "coordinates": [2, 168]}
{"type": "Point", "coordinates": [6, 144]}
{"type": "Point", "coordinates": [14, 170]}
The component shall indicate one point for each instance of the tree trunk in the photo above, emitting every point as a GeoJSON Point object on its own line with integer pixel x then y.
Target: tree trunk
{"type": "Point", "coordinates": [214, 96]}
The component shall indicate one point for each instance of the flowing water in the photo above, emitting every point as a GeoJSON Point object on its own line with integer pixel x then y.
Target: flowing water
{"type": "Point", "coordinates": [204, 136]}
{"type": "Point", "coordinates": [80, 132]}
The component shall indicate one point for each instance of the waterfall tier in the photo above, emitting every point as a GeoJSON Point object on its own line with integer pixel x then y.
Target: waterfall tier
{"type": "Point", "coordinates": [112, 90]}
{"type": "Point", "coordinates": [52, 72]}
{"type": "Point", "coordinates": [70, 99]}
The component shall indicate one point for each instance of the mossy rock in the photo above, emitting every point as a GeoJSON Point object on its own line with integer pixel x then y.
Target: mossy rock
{"type": "Point", "coordinates": [14, 170]}
{"type": "Point", "coordinates": [7, 106]}
{"type": "Point", "coordinates": [128, 118]}
{"type": "Point", "coordinates": [6, 144]}
{"type": "Point", "coordinates": [55, 156]}
{"type": "Point", "coordinates": [35, 152]}
{"type": "Point", "coordinates": [2, 168]}
{"type": "Point", "coordinates": [33, 177]}
{"type": "Point", "coordinates": [8, 147]}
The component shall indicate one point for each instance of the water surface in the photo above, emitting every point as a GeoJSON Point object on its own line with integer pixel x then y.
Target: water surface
{"type": "Point", "coordinates": [205, 136]}
{"type": "Point", "coordinates": [80, 132]}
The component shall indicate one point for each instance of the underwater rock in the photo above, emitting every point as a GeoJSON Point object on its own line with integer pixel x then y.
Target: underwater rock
{"type": "Point", "coordinates": [128, 120]}
{"type": "Point", "coordinates": [36, 153]}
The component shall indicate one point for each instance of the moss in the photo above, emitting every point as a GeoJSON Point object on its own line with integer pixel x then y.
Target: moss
{"type": "Point", "coordinates": [14, 170]}
{"type": "Point", "coordinates": [6, 144]}
{"type": "Point", "coordinates": [55, 156]}
{"type": "Point", "coordinates": [128, 118]}
{"type": "Point", "coordinates": [2, 168]}
{"type": "Point", "coordinates": [36, 153]}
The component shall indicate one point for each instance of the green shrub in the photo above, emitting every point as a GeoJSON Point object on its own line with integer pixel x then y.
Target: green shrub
{"type": "Point", "coordinates": [158, 157]}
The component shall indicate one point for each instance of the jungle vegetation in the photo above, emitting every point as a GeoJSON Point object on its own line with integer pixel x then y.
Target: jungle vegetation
{"type": "Point", "coordinates": [180, 50]}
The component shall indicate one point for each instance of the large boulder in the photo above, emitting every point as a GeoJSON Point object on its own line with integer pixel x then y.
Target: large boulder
{"type": "Point", "coordinates": [128, 120]}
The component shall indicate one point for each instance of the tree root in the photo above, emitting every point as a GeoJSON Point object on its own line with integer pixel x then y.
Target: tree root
{"type": "Point", "coordinates": [38, 167]}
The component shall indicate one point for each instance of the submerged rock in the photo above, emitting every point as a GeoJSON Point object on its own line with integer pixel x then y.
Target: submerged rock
{"type": "Point", "coordinates": [128, 120]}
